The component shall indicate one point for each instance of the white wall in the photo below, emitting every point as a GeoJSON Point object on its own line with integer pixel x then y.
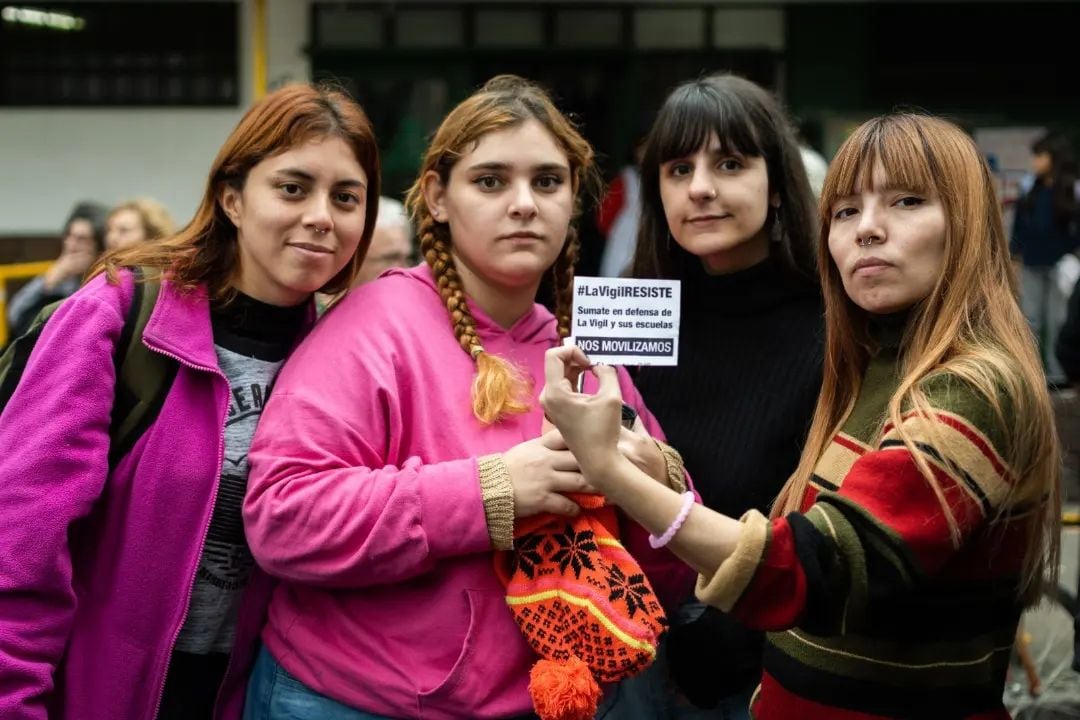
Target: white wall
{"type": "Point", "coordinates": [52, 158]}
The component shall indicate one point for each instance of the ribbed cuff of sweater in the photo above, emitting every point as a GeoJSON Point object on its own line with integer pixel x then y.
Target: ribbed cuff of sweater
{"type": "Point", "coordinates": [731, 579]}
{"type": "Point", "coordinates": [497, 493]}
{"type": "Point", "coordinates": [676, 470]}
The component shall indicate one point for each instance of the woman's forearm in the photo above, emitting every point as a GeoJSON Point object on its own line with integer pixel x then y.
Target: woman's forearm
{"type": "Point", "coordinates": [704, 541]}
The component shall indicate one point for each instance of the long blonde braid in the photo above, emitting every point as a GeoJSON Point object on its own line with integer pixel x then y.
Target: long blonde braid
{"type": "Point", "coordinates": [499, 388]}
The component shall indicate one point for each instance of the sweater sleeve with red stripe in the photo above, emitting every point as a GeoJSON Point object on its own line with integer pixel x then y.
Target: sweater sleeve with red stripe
{"type": "Point", "coordinates": [872, 523]}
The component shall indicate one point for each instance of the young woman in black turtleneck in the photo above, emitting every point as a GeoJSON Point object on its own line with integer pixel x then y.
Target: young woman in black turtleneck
{"type": "Point", "coordinates": [726, 209]}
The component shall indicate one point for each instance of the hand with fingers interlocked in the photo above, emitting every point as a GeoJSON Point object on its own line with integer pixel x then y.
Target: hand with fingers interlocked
{"type": "Point", "coordinates": [590, 424]}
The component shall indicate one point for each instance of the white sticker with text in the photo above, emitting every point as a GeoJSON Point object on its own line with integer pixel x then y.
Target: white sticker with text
{"type": "Point", "coordinates": [627, 322]}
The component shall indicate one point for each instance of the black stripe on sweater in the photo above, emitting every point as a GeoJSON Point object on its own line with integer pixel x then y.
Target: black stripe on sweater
{"type": "Point", "coordinates": [826, 576]}
{"type": "Point", "coordinates": [925, 702]}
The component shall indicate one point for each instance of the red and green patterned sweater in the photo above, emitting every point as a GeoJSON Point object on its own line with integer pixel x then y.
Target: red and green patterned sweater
{"type": "Point", "coordinates": [872, 609]}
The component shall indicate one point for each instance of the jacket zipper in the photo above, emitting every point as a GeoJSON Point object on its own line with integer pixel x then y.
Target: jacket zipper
{"type": "Point", "coordinates": [206, 527]}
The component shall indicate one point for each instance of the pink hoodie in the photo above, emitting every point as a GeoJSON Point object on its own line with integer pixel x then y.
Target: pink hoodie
{"type": "Point", "coordinates": [364, 497]}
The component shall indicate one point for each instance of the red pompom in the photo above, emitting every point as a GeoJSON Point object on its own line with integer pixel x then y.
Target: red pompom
{"type": "Point", "coordinates": [564, 691]}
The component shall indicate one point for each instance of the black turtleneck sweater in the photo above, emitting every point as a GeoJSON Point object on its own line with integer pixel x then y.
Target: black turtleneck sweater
{"type": "Point", "coordinates": [737, 407]}
{"type": "Point", "coordinates": [739, 403]}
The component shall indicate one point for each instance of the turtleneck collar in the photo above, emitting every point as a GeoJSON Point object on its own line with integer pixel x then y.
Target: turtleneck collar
{"type": "Point", "coordinates": [887, 330]}
{"type": "Point", "coordinates": [757, 288]}
{"type": "Point", "coordinates": [244, 316]}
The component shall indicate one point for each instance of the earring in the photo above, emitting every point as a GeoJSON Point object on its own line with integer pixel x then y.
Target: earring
{"type": "Point", "coordinates": [776, 228]}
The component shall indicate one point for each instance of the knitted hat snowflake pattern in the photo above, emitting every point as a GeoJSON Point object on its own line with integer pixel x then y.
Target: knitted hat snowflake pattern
{"type": "Point", "coordinates": [584, 605]}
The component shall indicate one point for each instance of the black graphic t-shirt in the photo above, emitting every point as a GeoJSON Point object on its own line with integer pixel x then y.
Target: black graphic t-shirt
{"type": "Point", "coordinates": [251, 339]}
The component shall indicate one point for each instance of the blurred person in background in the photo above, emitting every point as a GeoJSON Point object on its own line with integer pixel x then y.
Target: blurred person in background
{"type": "Point", "coordinates": [392, 243]}
{"type": "Point", "coordinates": [618, 215]}
{"type": "Point", "coordinates": [1046, 228]}
{"type": "Point", "coordinates": [135, 221]}
{"type": "Point", "coordinates": [808, 134]}
{"type": "Point", "coordinates": [83, 241]}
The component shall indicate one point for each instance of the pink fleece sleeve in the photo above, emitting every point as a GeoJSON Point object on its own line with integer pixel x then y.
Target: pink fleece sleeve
{"type": "Point", "coordinates": [671, 578]}
{"type": "Point", "coordinates": [54, 447]}
{"type": "Point", "coordinates": [323, 507]}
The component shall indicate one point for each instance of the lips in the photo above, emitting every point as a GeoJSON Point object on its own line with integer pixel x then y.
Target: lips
{"type": "Point", "coordinates": [870, 262]}
{"type": "Point", "coordinates": [311, 247]}
{"type": "Point", "coordinates": [522, 235]}
{"type": "Point", "coordinates": [705, 219]}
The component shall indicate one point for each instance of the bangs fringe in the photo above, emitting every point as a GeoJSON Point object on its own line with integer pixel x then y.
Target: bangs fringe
{"type": "Point", "coordinates": [693, 113]}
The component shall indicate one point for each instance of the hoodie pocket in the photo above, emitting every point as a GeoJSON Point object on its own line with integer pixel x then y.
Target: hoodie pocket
{"type": "Point", "coordinates": [480, 606]}
{"type": "Point", "coordinates": [494, 658]}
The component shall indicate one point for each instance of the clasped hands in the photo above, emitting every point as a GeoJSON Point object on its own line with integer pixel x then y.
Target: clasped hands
{"type": "Point", "coordinates": [583, 441]}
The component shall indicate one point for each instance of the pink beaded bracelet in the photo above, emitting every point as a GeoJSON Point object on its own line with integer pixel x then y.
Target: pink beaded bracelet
{"type": "Point", "coordinates": [684, 512]}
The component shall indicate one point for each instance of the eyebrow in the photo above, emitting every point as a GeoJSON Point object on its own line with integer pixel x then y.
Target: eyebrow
{"type": "Point", "coordinates": [503, 167]}
{"type": "Point", "coordinates": [299, 174]}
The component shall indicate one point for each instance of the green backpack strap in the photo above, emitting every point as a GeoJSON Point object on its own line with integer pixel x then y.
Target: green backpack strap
{"type": "Point", "coordinates": [17, 354]}
{"type": "Point", "coordinates": [143, 377]}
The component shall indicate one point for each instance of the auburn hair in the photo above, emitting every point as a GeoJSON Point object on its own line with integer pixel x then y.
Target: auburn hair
{"type": "Point", "coordinates": [205, 251]}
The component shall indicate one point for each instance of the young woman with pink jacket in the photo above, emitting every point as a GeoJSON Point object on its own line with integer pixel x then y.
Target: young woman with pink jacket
{"type": "Point", "coordinates": [120, 582]}
{"type": "Point", "coordinates": [404, 438]}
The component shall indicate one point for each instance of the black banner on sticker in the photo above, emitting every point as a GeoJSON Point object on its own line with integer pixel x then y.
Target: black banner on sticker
{"type": "Point", "coordinates": [650, 347]}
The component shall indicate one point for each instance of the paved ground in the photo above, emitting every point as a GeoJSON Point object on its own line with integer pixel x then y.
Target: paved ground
{"type": "Point", "coordinates": [1052, 632]}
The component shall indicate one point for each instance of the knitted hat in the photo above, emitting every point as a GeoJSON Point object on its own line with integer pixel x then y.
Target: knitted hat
{"type": "Point", "coordinates": [584, 605]}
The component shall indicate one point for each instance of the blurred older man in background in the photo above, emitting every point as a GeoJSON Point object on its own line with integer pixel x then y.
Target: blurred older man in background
{"type": "Point", "coordinates": [391, 244]}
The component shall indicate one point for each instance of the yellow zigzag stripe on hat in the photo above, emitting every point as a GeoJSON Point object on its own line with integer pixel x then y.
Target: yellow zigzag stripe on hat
{"type": "Point", "coordinates": [648, 647]}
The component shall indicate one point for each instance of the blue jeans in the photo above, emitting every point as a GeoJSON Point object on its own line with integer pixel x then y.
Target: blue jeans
{"type": "Point", "coordinates": [651, 696]}
{"type": "Point", "coordinates": [274, 694]}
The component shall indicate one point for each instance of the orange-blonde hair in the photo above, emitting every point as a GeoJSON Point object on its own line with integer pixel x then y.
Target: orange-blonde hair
{"type": "Point", "coordinates": [206, 250]}
{"type": "Point", "coordinates": [970, 326]}
{"type": "Point", "coordinates": [505, 101]}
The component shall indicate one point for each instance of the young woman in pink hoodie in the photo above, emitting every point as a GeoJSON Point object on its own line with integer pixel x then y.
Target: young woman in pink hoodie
{"type": "Point", "coordinates": [122, 569]}
{"type": "Point", "coordinates": [404, 437]}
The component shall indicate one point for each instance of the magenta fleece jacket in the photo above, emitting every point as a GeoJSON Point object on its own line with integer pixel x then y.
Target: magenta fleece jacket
{"type": "Point", "coordinates": [96, 568]}
{"type": "Point", "coordinates": [364, 496]}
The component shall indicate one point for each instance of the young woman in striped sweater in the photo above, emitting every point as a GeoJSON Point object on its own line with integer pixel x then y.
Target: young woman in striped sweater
{"type": "Point", "coordinates": [923, 514]}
